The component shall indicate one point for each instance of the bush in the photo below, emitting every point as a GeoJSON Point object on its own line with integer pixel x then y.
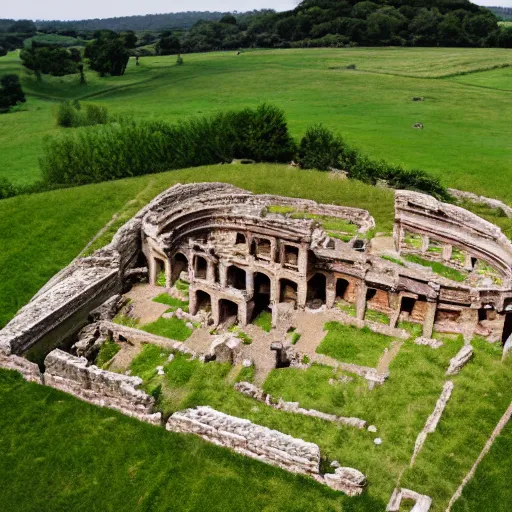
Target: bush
{"type": "Point", "coordinates": [321, 149]}
{"type": "Point", "coordinates": [7, 189]}
{"type": "Point", "coordinates": [71, 115]}
{"type": "Point", "coordinates": [131, 148]}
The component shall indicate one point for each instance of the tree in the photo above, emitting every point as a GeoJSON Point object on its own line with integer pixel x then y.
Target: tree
{"type": "Point", "coordinates": [130, 39]}
{"type": "Point", "coordinates": [23, 27]}
{"type": "Point", "coordinates": [229, 19]}
{"type": "Point", "coordinates": [168, 45]}
{"type": "Point", "coordinates": [50, 60]}
{"type": "Point", "coordinates": [108, 54]}
{"type": "Point", "coordinates": [11, 92]}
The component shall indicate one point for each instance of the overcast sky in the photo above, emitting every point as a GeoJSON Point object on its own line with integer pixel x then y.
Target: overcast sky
{"type": "Point", "coordinates": [75, 10]}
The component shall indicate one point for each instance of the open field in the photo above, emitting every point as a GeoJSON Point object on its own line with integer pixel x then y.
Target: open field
{"type": "Point", "coordinates": [73, 456]}
{"type": "Point", "coordinates": [371, 106]}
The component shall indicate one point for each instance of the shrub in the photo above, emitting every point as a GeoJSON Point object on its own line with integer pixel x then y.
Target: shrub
{"type": "Point", "coordinates": [7, 189]}
{"type": "Point", "coordinates": [130, 148]}
{"type": "Point", "coordinates": [71, 115]}
{"type": "Point", "coordinates": [179, 60]}
{"type": "Point", "coordinates": [320, 149]}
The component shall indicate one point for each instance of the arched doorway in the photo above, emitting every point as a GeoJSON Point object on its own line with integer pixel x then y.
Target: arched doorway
{"type": "Point", "coordinates": [341, 288]}
{"type": "Point", "coordinates": [236, 277]}
{"type": "Point", "coordinates": [200, 267]}
{"type": "Point", "coordinates": [228, 312]}
{"type": "Point", "coordinates": [262, 293]}
{"type": "Point", "coordinates": [288, 291]}
{"type": "Point", "coordinates": [316, 290]}
{"type": "Point", "coordinates": [179, 264]}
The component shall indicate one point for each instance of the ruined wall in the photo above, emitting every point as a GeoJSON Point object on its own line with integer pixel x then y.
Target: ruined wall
{"type": "Point", "coordinates": [451, 226]}
{"type": "Point", "coordinates": [100, 387]}
{"type": "Point", "coordinates": [248, 439]}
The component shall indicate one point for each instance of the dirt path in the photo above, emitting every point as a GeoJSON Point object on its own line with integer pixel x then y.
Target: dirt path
{"type": "Point", "coordinates": [144, 308]}
{"type": "Point", "coordinates": [388, 356]}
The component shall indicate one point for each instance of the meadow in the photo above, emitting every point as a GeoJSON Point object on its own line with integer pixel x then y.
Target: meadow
{"type": "Point", "coordinates": [371, 106]}
{"type": "Point", "coordinates": [86, 458]}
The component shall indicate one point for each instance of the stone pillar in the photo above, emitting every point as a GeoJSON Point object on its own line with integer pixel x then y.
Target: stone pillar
{"type": "Point", "coordinates": [192, 302]}
{"type": "Point", "coordinates": [447, 252]}
{"type": "Point", "coordinates": [249, 283]}
{"type": "Point", "coordinates": [168, 273]}
{"type": "Point", "coordinates": [152, 269]}
{"type": "Point", "coordinates": [302, 261]}
{"type": "Point", "coordinates": [424, 243]}
{"type": "Point", "coordinates": [467, 261]}
{"type": "Point", "coordinates": [210, 272]}
{"type": "Point", "coordinates": [330, 291]}
{"type": "Point", "coordinates": [302, 291]}
{"type": "Point", "coordinates": [430, 316]}
{"type": "Point", "coordinates": [242, 314]}
{"type": "Point", "coordinates": [395, 302]}
{"type": "Point", "coordinates": [274, 290]}
{"type": "Point", "coordinates": [273, 247]}
{"type": "Point", "coordinates": [281, 259]}
{"type": "Point", "coordinates": [215, 311]}
{"type": "Point", "coordinates": [361, 300]}
{"type": "Point", "coordinates": [223, 275]}
{"type": "Point", "coordinates": [398, 235]}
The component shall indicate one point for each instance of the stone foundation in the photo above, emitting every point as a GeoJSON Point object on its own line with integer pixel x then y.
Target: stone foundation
{"type": "Point", "coordinates": [99, 387]}
{"type": "Point", "coordinates": [248, 439]}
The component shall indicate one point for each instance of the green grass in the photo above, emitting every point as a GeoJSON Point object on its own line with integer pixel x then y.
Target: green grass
{"type": "Point", "coordinates": [173, 302]}
{"type": "Point", "coordinates": [393, 260]}
{"type": "Point", "coordinates": [371, 106]}
{"type": "Point", "coordinates": [376, 316]}
{"type": "Point", "coordinates": [352, 345]}
{"type": "Point", "coordinates": [438, 268]}
{"type": "Point", "coordinates": [83, 458]}
{"type": "Point", "coordinates": [173, 328]}
{"type": "Point", "coordinates": [295, 338]}
{"type": "Point", "coordinates": [264, 321]}
{"type": "Point", "coordinates": [107, 351]}
{"type": "Point", "coordinates": [246, 374]}
{"type": "Point", "coordinates": [127, 321]}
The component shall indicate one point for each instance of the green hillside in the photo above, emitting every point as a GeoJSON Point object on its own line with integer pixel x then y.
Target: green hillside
{"type": "Point", "coordinates": [371, 106]}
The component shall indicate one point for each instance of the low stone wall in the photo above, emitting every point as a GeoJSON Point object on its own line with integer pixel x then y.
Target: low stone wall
{"type": "Point", "coordinates": [487, 201]}
{"type": "Point", "coordinates": [248, 439]}
{"type": "Point", "coordinates": [30, 371]}
{"type": "Point", "coordinates": [115, 331]}
{"type": "Point", "coordinates": [256, 393]}
{"type": "Point", "coordinates": [107, 389]}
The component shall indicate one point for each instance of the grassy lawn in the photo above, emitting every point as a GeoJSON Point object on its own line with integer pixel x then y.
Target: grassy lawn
{"type": "Point", "coordinates": [371, 106]}
{"type": "Point", "coordinates": [173, 328]}
{"type": "Point", "coordinates": [61, 454]}
{"type": "Point", "coordinates": [438, 268]}
{"type": "Point", "coordinates": [352, 345]}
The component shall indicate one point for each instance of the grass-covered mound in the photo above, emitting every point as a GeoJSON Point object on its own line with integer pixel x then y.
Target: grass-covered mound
{"type": "Point", "coordinates": [42, 233]}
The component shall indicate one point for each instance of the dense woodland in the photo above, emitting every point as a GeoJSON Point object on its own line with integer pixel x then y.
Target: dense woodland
{"type": "Point", "coordinates": [313, 23]}
{"type": "Point", "coordinates": [504, 13]}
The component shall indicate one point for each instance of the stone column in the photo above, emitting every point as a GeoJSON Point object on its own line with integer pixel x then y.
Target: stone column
{"type": "Point", "coordinates": [249, 283]}
{"type": "Point", "coordinates": [275, 290]}
{"type": "Point", "coordinates": [210, 272]}
{"type": "Point", "coordinates": [273, 249]}
{"type": "Point", "coordinates": [330, 291]}
{"type": "Point", "coordinates": [215, 311]}
{"type": "Point", "coordinates": [242, 314]}
{"type": "Point", "coordinates": [192, 302]}
{"type": "Point", "coordinates": [447, 252]}
{"type": "Point", "coordinates": [361, 300]}
{"type": "Point", "coordinates": [398, 235]}
{"type": "Point", "coordinates": [302, 260]}
{"type": "Point", "coordinates": [430, 316]}
{"type": "Point", "coordinates": [152, 266]}
{"type": "Point", "coordinates": [395, 302]}
{"type": "Point", "coordinates": [281, 254]}
{"type": "Point", "coordinates": [168, 273]}
{"type": "Point", "coordinates": [302, 291]}
{"type": "Point", "coordinates": [424, 243]}
{"type": "Point", "coordinates": [223, 275]}
{"type": "Point", "coordinates": [467, 261]}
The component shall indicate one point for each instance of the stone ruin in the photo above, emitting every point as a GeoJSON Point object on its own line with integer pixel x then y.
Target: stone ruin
{"type": "Point", "coordinates": [242, 254]}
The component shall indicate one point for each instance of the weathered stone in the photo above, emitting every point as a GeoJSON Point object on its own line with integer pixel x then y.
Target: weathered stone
{"type": "Point", "coordinates": [248, 439]}
{"type": "Point", "coordinates": [460, 360]}
{"type": "Point", "coordinates": [348, 480]}
{"type": "Point", "coordinates": [422, 503]}
{"type": "Point", "coordinates": [100, 387]}
{"type": "Point", "coordinates": [430, 342]}
{"type": "Point", "coordinates": [226, 349]}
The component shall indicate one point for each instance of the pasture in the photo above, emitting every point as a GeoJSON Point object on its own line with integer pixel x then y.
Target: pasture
{"type": "Point", "coordinates": [74, 456]}
{"type": "Point", "coordinates": [371, 106]}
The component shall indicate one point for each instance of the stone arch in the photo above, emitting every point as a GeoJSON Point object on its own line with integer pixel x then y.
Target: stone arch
{"type": "Point", "coordinates": [288, 291]}
{"type": "Point", "coordinates": [317, 286]}
{"type": "Point", "coordinates": [240, 239]}
{"type": "Point", "coordinates": [262, 293]}
{"type": "Point", "coordinates": [236, 277]}
{"type": "Point", "coordinates": [179, 264]}
{"type": "Point", "coordinates": [203, 301]}
{"type": "Point", "coordinates": [341, 288]}
{"type": "Point", "coordinates": [228, 312]}
{"type": "Point", "coordinates": [200, 267]}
